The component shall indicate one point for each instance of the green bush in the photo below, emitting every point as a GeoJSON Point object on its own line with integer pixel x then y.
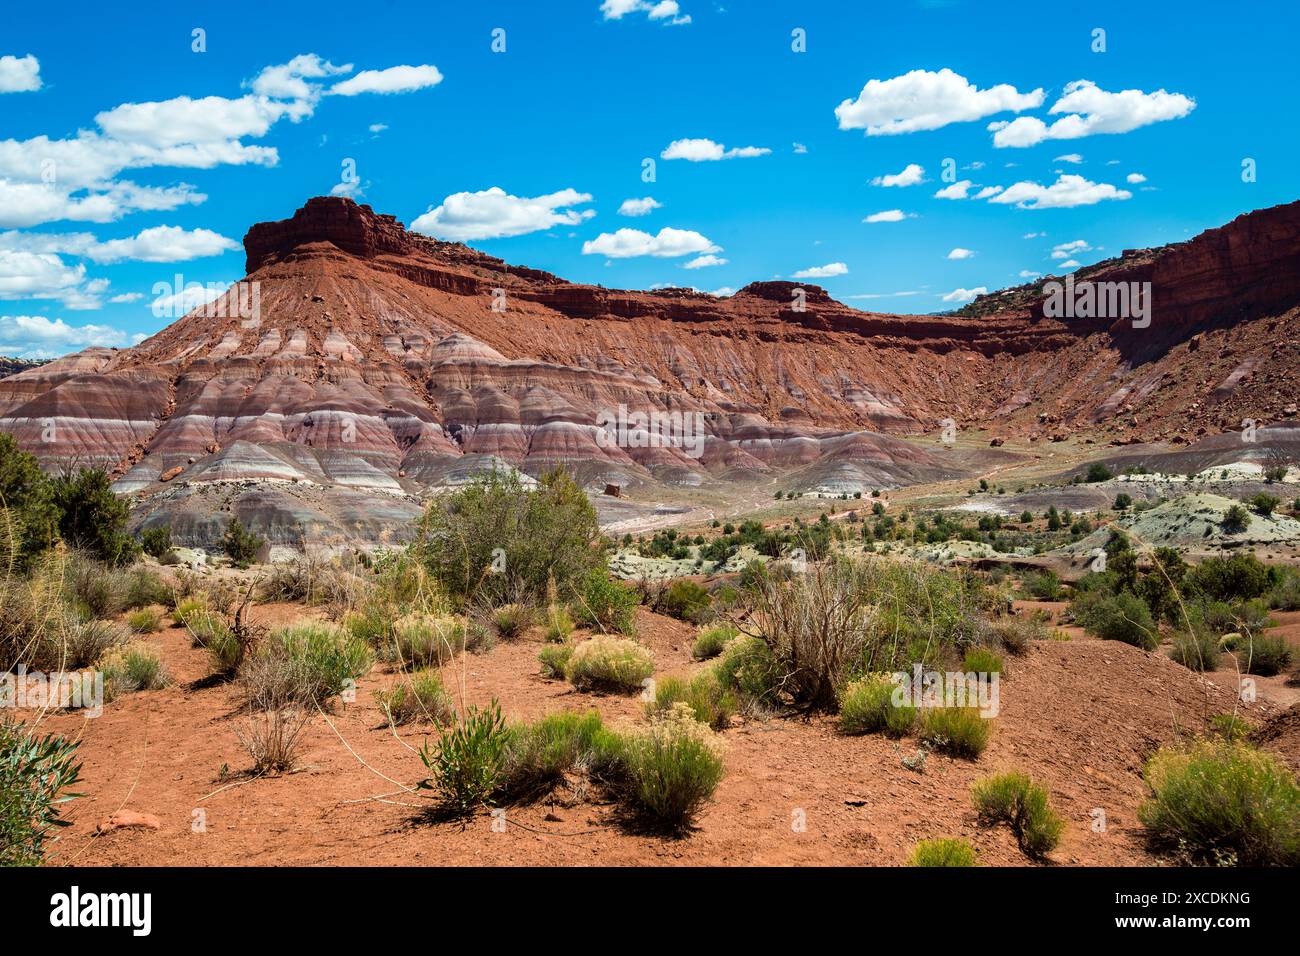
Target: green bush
{"type": "Point", "coordinates": [92, 587]}
{"type": "Point", "coordinates": [241, 545]}
{"type": "Point", "coordinates": [1231, 727]}
{"type": "Point", "coordinates": [498, 541]}
{"type": "Point", "coordinates": [1196, 650]}
{"type": "Point", "coordinates": [428, 640]}
{"type": "Point", "coordinates": [143, 588]}
{"type": "Point", "coordinates": [959, 731]}
{"type": "Point", "coordinates": [747, 666]}
{"type": "Point", "coordinates": [1265, 654]}
{"type": "Point", "coordinates": [1043, 585]}
{"type": "Point", "coordinates": [133, 667]}
{"type": "Point", "coordinates": [1264, 503]}
{"type": "Point", "coordinates": [559, 624]}
{"type": "Point", "coordinates": [1013, 798]}
{"type": "Point", "coordinates": [305, 663]}
{"type": "Point", "coordinates": [36, 774]}
{"type": "Point", "coordinates": [606, 605]}
{"type": "Point", "coordinates": [609, 663]}
{"type": "Point", "coordinates": [1224, 803]}
{"type": "Point", "coordinates": [1239, 577]}
{"type": "Point", "coordinates": [981, 660]}
{"type": "Point", "coordinates": [417, 698]}
{"type": "Point", "coordinates": [92, 518]}
{"type": "Point", "coordinates": [29, 521]}
{"type": "Point", "coordinates": [673, 766]}
{"type": "Point", "coordinates": [468, 762]}
{"type": "Point", "coordinates": [539, 754]}
{"type": "Point", "coordinates": [1098, 471]}
{"type": "Point", "coordinates": [1236, 519]}
{"type": "Point", "coordinates": [1116, 617]}
{"type": "Point", "coordinates": [555, 658]}
{"type": "Point", "coordinates": [711, 704]}
{"type": "Point", "coordinates": [686, 601]}
{"type": "Point", "coordinates": [945, 851]}
{"type": "Point", "coordinates": [156, 541]}
{"type": "Point", "coordinates": [511, 620]}
{"type": "Point", "coordinates": [867, 706]}
{"type": "Point", "coordinates": [144, 621]}
{"type": "Point", "coordinates": [711, 641]}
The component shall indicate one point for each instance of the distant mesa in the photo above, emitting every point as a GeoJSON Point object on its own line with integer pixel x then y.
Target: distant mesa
{"type": "Point", "coordinates": [382, 365]}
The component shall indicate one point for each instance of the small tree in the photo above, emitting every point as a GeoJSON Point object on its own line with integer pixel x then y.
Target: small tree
{"type": "Point", "coordinates": [1264, 503]}
{"type": "Point", "coordinates": [156, 541]}
{"type": "Point", "coordinates": [1123, 501]}
{"type": "Point", "coordinates": [92, 518]}
{"type": "Point", "coordinates": [1098, 471]}
{"type": "Point", "coordinates": [240, 544]}
{"type": "Point", "coordinates": [1236, 519]}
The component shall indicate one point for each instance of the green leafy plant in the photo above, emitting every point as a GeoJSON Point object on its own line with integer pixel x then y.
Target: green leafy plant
{"type": "Point", "coordinates": [944, 851]}
{"type": "Point", "coordinates": [468, 761]}
{"type": "Point", "coordinates": [241, 545]}
{"type": "Point", "coordinates": [1014, 799]}
{"type": "Point", "coordinates": [960, 731]}
{"type": "Point", "coordinates": [712, 640]}
{"type": "Point", "coordinates": [36, 774]}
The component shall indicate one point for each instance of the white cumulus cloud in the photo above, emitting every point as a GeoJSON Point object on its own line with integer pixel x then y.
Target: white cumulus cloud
{"type": "Point", "coordinates": [639, 207]}
{"type": "Point", "coordinates": [704, 262]}
{"type": "Point", "coordinates": [1067, 192]}
{"type": "Point", "coordinates": [706, 150]}
{"type": "Point", "coordinates": [823, 272]}
{"type": "Point", "coordinates": [395, 79]}
{"type": "Point", "coordinates": [888, 215]}
{"type": "Point", "coordinates": [910, 176]}
{"type": "Point", "coordinates": [493, 214]}
{"type": "Point", "coordinates": [19, 74]}
{"type": "Point", "coordinates": [965, 295]}
{"type": "Point", "coordinates": [960, 253]}
{"type": "Point", "coordinates": [38, 337]}
{"type": "Point", "coordinates": [629, 243]}
{"type": "Point", "coordinates": [1064, 250]}
{"type": "Point", "coordinates": [1086, 109]}
{"type": "Point", "coordinates": [925, 100]}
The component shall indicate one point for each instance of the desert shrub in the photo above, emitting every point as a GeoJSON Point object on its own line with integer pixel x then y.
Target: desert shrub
{"type": "Point", "coordinates": [1221, 802]}
{"type": "Point", "coordinates": [1015, 634]}
{"type": "Point", "coordinates": [609, 663]}
{"type": "Point", "coordinates": [867, 706]}
{"type": "Point", "coordinates": [156, 541]}
{"type": "Point", "coordinates": [1098, 471]}
{"type": "Point", "coordinates": [558, 625]}
{"type": "Point", "coordinates": [372, 622]}
{"type": "Point", "coordinates": [144, 621]}
{"type": "Point", "coordinates": [711, 704]}
{"type": "Point", "coordinates": [549, 534]}
{"type": "Point", "coordinates": [144, 588]}
{"type": "Point", "coordinates": [241, 545]}
{"type": "Point", "coordinates": [272, 738]}
{"type": "Point", "coordinates": [1239, 577]}
{"type": "Point", "coordinates": [606, 605]}
{"type": "Point", "coordinates": [427, 640]}
{"type": "Point", "coordinates": [468, 761]}
{"type": "Point", "coordinates": [305, 663]}
{"type": "Point", "coordinates": [187, 608]}
{"type": "Point", "coordinates": [1196, 650]}
{"type": "Point", "coordinates": [1265, 654]}
{"type": "Point", "coordinates": [981, 660]}
{"type": "Point", "coordinates": [1014, 799]}
{"type": "Point", "coordinates": [944, 851]}
{"type": "Point", "coordinates": [710, 641]}
{"type": "Point", "coordinates": [555, 658]}
{"type": "Point", "coordinates": [685, 600]}
{"type": "Point", "coordinates": [36, 774]}
{"type": "Point", "coordinates": [673, 766]}
{"type": "Point", "coordinates": [1116, 617]}
{"type": "Point", "coordinates": [75, 644]}
{"type": "Point", "coordinates": [511, 620]}
{"type": "Point", "coordinates": [960, 731]}
{"type": "Point", "coordinates": [29, 521]}
{"type": "Point", "coordinates": [479, 638]}
{"type": "Point", "coordinates": [94, 588]}
{"type": "Point", "coordinates": [310, 578]}
{"type": "Point", "coordinates": [1231, 727]}
{"type": "Point", "coordinates": [1264, 503]}
{"type": "Point", "coordinates": [747, 666]}
{"type": "Point", "coordinates": [1044, 585]}
{"type": "Point", "coordinates": [92, 518]}
{"type": "Point", "coordinates": [537, 755]}
{"type": "Point", "coordinates": [1285, 594]}
{"type": "Point", "coordinates": [133, 667]}
{"type": "Point", "coordinates": [416, 698]}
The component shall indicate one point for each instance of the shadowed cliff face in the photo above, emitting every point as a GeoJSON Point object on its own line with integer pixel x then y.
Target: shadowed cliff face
{"type": "Point", "coordinates": [373, 364]}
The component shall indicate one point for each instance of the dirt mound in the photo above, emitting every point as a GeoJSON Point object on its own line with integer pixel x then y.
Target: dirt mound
{"type": "Point", "coordinates": [1281, 734]}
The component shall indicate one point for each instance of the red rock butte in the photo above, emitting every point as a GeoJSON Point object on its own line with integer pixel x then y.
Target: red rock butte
{"type": "Point", "coordinates": [360, 365]}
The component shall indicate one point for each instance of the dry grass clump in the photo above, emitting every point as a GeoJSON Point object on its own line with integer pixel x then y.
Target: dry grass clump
{"type": "Point", "coordinates": [609, 663]}
{"type": "Point", "coordinates": [132, 667]}
{"type": "Point", "coordinates": [420, 697]}
{"type": "Point", "coordinates": [306, 663]}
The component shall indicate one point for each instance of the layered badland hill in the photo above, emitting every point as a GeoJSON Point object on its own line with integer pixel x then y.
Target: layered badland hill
{"type": "Point", "coordinates": [359, 365]}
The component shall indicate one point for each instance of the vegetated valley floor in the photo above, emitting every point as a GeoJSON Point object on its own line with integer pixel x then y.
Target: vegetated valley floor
{"type": "Point", "coordinates": [1081, 716]}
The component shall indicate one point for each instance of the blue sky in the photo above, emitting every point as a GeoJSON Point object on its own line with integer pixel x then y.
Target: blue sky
{"type": "Point", "coordinates": [529, 153]}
